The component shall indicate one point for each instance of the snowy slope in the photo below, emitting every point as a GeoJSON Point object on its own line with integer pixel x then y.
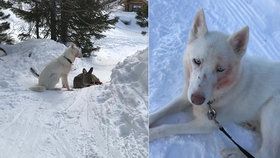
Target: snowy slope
{"type": "Point", "coordinates": [170, 21]}
{"type": "Point", "coordinates": [108, 120]}
{"type": "Point", "coordinates": [122, 41]}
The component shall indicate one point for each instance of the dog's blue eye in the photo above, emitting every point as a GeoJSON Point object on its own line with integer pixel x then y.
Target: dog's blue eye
{"type": "Point", "coordinates": [220, 69]}
{"type": "Point", "coordinates": [197, 61]}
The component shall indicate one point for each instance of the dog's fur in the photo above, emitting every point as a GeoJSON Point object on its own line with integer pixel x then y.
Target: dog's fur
{"type": "Point", "coordinates": [244, 89]}
{"type": "Point", "coordinates": [58, 68]}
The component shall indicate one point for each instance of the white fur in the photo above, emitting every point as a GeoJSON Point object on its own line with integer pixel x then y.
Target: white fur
{"type": "Point", "coordinates": [254, 94]}
{"type": "Point", "coordinates": [58, 68]}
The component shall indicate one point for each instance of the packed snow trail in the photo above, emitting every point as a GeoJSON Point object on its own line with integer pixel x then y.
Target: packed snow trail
{"type": "Point", "coordinates": [109, 120]}
{"type": "Point", "coordinates": [170, 22]}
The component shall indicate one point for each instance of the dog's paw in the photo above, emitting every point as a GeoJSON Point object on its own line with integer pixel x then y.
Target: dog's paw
{"type": "Point", "coordinates": [232, 153]}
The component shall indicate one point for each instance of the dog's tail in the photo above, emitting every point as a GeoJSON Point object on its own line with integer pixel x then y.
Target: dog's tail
{"type": "Point", "coordinates": [34, 73]}
{"type": "Point", "coordinates": [38, 88]}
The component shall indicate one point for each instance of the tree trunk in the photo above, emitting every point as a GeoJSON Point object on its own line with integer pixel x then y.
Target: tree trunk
{"type": "Point", "coordinates": [53, 19]}
{"type": "Point", "coordinates": [63, 25]}
{"type": "Point", "coordinates": [37, 21]}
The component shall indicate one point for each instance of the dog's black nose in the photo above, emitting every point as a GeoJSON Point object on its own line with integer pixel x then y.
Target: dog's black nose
{"type": "Point", "coordinates": [197, 99]}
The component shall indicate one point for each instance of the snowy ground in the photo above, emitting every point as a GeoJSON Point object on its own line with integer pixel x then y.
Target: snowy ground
{"type": "Point", "coordinates": [170, 21]}
{"type": "Point", "coordinates": [108, 120]}
{"type": "Point", "coordinates": [120, 42]}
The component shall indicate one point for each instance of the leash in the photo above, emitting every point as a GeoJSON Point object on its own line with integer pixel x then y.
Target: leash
{"type": "Point", "coordinates": [212, 114]}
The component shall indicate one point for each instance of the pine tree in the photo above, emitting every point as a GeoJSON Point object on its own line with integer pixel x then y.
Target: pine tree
{"type": "Point", "coordinates": [4, 25]}
{"type": "Point", "coordinates": [79, 21]}
{"type": "Point", "coordinates": [38, 16]}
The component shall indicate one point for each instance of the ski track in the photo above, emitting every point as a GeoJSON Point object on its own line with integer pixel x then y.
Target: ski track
{"type": "Point", "coordinates": [170, 22]}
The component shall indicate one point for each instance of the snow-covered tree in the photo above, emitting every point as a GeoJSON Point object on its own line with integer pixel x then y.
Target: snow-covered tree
{"type": "Point", "coordinates": [4, 25]}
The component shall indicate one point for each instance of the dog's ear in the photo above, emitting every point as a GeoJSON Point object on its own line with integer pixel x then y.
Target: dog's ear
{"type": "Point", "coordinates": [239, 41]}
{"type": "Point", "coordinates": [199, 27]}
{"type": "Point", "coordinates": [90, 70]}
{"type": "Point", "coordinates": [84, 71]}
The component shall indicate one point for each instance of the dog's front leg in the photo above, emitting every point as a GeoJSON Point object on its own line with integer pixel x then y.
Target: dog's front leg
{"type": "Point", "coordinates": [65, 82]}
{"type": "Point", "coordinates": [177, 105]}
{"type": "Point", "coordinates": [193, 127]}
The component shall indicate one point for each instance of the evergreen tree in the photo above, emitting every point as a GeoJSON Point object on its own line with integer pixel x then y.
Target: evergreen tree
{"type": "Point", "coordinates": [83, 19]}
{"type": "Point", "coordinates": [142, 16]}
{"type": "Point", "coordinates": [4, 25]}
{"type": "Point", "coordinates": [37, 15]}
{"type": "Point", "coordinates": [79, 21]}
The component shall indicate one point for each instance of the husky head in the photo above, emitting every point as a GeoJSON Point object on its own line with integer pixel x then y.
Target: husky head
{"type": "Point", "coordinates": [76, 52]}
{"type": "Point", "coordinates": [212, 61]}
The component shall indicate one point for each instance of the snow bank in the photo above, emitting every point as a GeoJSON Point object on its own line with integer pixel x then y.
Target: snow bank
{"type": "Point", "coordinates": [170, 21]}
{"type": "Point", "coordinates": [129, 82]}
{"type": "Point", "coordinates": [132, 69]}
{"type": "Point", "coordinates": [108, 120]}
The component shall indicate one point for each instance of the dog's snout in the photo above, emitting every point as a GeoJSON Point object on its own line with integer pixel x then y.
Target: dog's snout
{"type": "Point", "coordinates": [197, 98]}
{"type": "Point", "coordinates": [80, 55]}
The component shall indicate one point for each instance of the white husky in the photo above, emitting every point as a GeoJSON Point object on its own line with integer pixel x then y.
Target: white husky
{"type": "Point", "coordinates": [58, 68]}
{"type": "Point", "coordinates": [242, 89]}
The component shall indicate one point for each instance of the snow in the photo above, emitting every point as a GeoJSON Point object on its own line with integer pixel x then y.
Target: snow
{"type": "Point", "coordinates": [120, 42]}
{"type": "Point", "coordinates": [2, 53]}
{"type": "Point", "coordinates": [170, 21]}
{"type": "Point", "coordinates": [108, 120]}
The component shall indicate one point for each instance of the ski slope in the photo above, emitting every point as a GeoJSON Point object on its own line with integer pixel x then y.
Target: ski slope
{"type": "Point", "coordinates": [170, 21]}
{"type": "Point", "coordinates": [108, 120]}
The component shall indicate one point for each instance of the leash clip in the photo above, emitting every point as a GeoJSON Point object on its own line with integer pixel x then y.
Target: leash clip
{"type": "Point", "coordinates": [212, 114]}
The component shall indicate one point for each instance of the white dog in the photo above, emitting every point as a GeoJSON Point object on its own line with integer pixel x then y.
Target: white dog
{"type": "Point", "coordinates": [58, 68]}
{"type": "Point", "coordinates": [242, 89]}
